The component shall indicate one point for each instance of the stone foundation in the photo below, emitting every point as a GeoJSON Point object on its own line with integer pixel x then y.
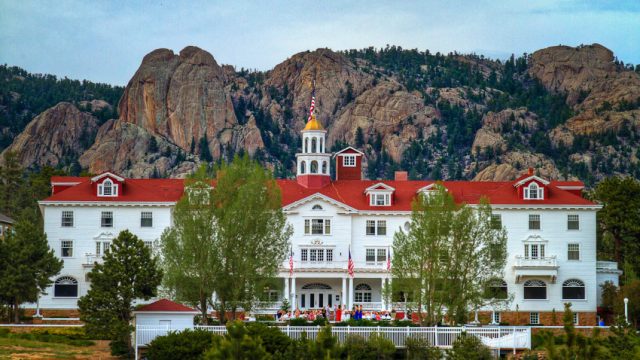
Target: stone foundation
{"type": "Point", "coordinates": [54, 313]}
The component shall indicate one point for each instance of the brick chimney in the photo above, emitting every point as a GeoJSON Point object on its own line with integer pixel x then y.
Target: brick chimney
{"type": "Point", "coordinates": [530, 171]}
{"type": "Point", "coordinates": [401, 176]}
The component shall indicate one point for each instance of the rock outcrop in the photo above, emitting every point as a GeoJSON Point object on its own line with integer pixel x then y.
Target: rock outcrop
{"type": "Point", "coordinates": [512, 165]}
{"type": "Point", "coordinates": [181, 97]}
{"type": "Point", "coordinates": [57, 136]}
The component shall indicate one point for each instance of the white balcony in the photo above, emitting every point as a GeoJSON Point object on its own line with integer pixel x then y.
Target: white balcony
{"type": "Point", "coordinates": [336, 265]}
{"type": "Point", "coordinates": [525, 267]}
{"type": "Point", "coordinates": [90, 259]}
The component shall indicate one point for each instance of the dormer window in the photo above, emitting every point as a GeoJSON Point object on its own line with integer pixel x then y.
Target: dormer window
{"type": "Point", "coordinates": [107, 188]}
{"type": "Point", "coordinates": [534, 192]}
{"type": "Point", "coordinates": [349, 160]}
{"type": "Point", "coordinates": [380, 199]}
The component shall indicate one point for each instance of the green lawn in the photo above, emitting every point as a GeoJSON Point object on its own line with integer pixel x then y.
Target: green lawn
{"type": "Point", "coordinates": [13, 348]}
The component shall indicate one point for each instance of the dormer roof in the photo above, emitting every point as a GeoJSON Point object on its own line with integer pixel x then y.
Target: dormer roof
{"type": "Point", "coordinates": [349, 151]}
{"type": "Point", "coordinates": [379, 187]}
{"type": "Point", "coordinates": [107, 174]}
{"type": "Point", "coordinates": [525, 180]}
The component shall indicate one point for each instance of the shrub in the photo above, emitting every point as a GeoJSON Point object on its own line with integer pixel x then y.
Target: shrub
{"type": "Point", "coordinates": [298, 322]}
{"type": "Point", "coordinates": [237, 344]}
{"type": "Point", "coordinates": [469, 347]}
{"type": "Point", "coordinates": [382, 347]}
{"type": "Point", "coordinates": [419, 349]}
{"type": "Point", "coordinates": [320, 321]}
{"type": "Point", "coordinates": [274, 340]}
{"type": "Point", "coordinates": [76, 337]}
{"type": "Point", "coordinates": [355, 347]}
{"type": "Point", "coordinates": [187, 344]}
{"type": "Point", "coordinates": [4, 332]}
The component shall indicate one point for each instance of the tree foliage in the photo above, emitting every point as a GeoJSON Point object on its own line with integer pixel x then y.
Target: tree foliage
{"type": "Point", "coordinates": [26, 262]}
{"type": "Point", "coordinates": [128, 273]}
{"type": "Point", "coordinates": [619, 220]}
{"type": "Point", "coordinates": [449, 256]}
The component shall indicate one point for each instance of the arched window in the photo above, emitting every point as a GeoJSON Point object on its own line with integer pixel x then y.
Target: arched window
{"type": "Point", "coordinates": [65, 286]}
{"type": "Point", "coordinates": [573, 289]}
{"type": "Point", "coordinates": [316, 207]}
{"type": "Point", "coordinates": [320, 286]}
{"type": "Point", "coordinates": [324, 167]}
{"type": "Point", "coordinates": [306, 145]}
{"type": "Point", "coordinates": [497, 289]}
{"type": "Point", "coordinates": [321, 147]}
{"type": "Point", "coordinates": [303, 167]}
{"type": "Point", "coordinates": [314, 167]}
{"type": "Point", "coordinates": [363, 293]}
{"type": "Point", "coordinates": [533, 192]}
{"type": "Point", "coordinates": [314, 143]}
{"type": "Point", "coordinates": [107, 188]}
{"type": "Point", "coordinates": [535, 290]}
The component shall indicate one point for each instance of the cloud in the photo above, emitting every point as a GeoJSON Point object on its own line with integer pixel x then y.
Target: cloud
{"type": "Point", "coordinates": [105, 41]}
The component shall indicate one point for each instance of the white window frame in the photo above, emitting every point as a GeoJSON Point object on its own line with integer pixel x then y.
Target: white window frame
{"type": "Point", "coordinates": [496, 219]}
{"type": "Point", "coordinates": [379, 255]}
{"type": "Point", "coordinates": [102, 217]}
{"type": "Point", "coordinates": [573, 218]}
{"type": "Point", "coordinates": [62, 247]}
{"type": "Point", "coordinates": [535, 250]}
{"type": "Point", "coordinates": [534, 316]}
{"type": "Point", "coordinates": [534, 191]}
{"type": "Point", "coordinates": [377, 225]}
{"type": "Point", "coordinates": [63, 218]}
{"type": "Point", "coordinates": [101, 247]}
{"type": "Point", "coordinates": [112, 186]}
{"type": "Point", "coordinates": [385, 198]}
{"type": "Point", "coordinates": [530, 220]}
{"type": "Point", "coordinates": [309, 229]}
{"type": "Point", "coordinates": [349, 160]}
{"type": "Point", "coordinates": [316, 255]}
{"type": "Point", "coordinates": [569, 251]}
{"type": "Point", "coordinates": [496, 318]}
{"type": "Point", "coordinates": [576, 319]}
{"type": "Point", "coordinates": [146, 215]}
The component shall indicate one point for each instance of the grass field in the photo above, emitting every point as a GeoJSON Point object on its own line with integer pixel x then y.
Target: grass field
{"type": "Point", "coordinates": [31, 349]}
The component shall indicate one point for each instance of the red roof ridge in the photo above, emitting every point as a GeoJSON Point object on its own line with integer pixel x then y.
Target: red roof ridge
{"type": "Point", "coordinates": [165, 305]}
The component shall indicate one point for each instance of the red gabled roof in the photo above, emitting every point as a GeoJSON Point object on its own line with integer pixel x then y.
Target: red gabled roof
{"type": "Point", "coordinates": [348, 192]}
{"type": "Point", "coordinates": [135, 190]}
{"type": "Point", "coordinates": [67, 179]}
{"type": "Point", "coordinates": [165, 305]}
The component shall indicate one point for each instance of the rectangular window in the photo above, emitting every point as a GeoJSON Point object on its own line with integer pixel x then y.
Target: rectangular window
{"type": "Point", "coordinates": [303, 254]}
{"type": "Point", "coordinates": [573, 252]}
{"type": "Point", "coordinates": [67, 219]}
{"type": "Point", "coordinates": [149, 244]}
{"type": "Point", "coordinates": [496, 221]}
{"type": "Point", "coordinates": [107, 219]}
{"type": "Point", "coordinates": [358, 297]}
{"type": "Point", "coordinates": [314, 254]}
{"type": "Point", "coordinates": [496, 317]}
{"type": "Point", "coordinates": [367, 297]}
{"type": "Point", "coordinates": [348, 160]}
{"type": "Point", "coordinates": [573, 222]}
{"type": "Point", "coordinates": [534, 222]}
{"type": "Point", "coordinates": [382, 255]}
{"type": "Point", "coordinates": [329, 255]}
{"type": "Point", "coordinates": [371, 255]}
{"type": "Point", "coordinates": [371, 227]}
{"type": "Point", "coordinates": [320, 254]}
{"type": "Point", "coordinates": [317, 226]}
{"type": "Point", "coordinates": [102, 247]}
{"type": "Point", "coordinates": [382, 227]}
{"type": "Point", "coordinates": [576, 319]}
{"type": "Point", "coordinates": [66, 248]}
{"type": "Point", "coordinates": [146, 219]}
{"type": "Point", "coordinates": [534, 318]}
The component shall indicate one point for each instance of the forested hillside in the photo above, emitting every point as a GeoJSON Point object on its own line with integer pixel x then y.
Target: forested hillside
{"type": "Point", "coordinates": [568, 112]}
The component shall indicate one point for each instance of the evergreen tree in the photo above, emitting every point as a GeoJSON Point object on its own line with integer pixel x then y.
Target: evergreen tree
{"type": "Point", "coordinates": [26, 262]}
{"type": "Point", "coordinates": [128, 272]}
{"type": "Point", "coordinates": [359, 137]}
{"type": "Point", "coordinates": [12, 186]}
{"type": "Point", "coordinates": [205, 153]}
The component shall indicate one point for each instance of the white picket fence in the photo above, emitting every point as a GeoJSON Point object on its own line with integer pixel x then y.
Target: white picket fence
{"type": "Point", "coordinates": [499, 337]}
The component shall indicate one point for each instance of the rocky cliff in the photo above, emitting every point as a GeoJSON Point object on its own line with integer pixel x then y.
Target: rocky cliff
{"type": "Point", "coordinates": [570, 112]}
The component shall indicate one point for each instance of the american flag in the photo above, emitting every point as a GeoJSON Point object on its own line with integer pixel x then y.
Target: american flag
{"type": "Point", "coordinates": [388, 259]}
{"type": "Point", "coordinates": [313, 103]}
{"type": "Point", "coordinates": [350, 265]}
{"type": "Point", "coordinates": [291, 263]}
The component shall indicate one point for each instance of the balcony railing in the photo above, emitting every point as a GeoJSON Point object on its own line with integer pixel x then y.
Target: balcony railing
{"type": "Point", "coordinates": [537, 262]}
{"type": "Point", "coordinates": [335, 265]}
{"type": "Point", "coordinates": [91, 259]}
{"type": "Point", "coordinates": [369, 305]}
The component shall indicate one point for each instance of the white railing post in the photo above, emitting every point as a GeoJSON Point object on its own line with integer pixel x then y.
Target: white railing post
{"type": "Point", "coordinates": [436, 336]}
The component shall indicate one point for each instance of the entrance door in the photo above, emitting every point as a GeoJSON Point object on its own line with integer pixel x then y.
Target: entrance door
{"type": "Point", "coordinates": [316, 296]}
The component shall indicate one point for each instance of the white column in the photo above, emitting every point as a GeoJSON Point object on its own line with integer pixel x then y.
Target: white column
{"type": "Point", "coordinates": [286, 289]}
{"type": "Point", "coordinates": [350, 293]}
{"type": "Point", "coordinates": [382, 299]}
{"type": "Point", "coordinates": [294, 303]}
{"type": "Point", "coordinates": [390, 304]}
{"type": "Point", "coordinates": [343, 296]}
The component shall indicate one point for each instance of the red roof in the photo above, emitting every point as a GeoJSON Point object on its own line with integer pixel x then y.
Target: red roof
{"type": "Point", "coordinates": [349, 192]}
{"type": "Point", "coordinates": [165, 305]}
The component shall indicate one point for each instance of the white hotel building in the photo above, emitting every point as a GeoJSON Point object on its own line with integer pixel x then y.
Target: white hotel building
{"type": "Point", "coordinates": [551, 233]}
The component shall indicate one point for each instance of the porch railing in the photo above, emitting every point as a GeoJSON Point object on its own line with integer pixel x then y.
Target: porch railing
{"type": "Point", "coordinates": [502, 337]}
{"type": "Point", "coordinates": [369, 305]}
{"type": "Point", "coordinates": [538, 262]}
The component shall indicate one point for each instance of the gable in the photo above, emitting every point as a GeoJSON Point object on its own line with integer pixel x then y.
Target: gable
{"type": "Point", "coordinates": [320, 199]}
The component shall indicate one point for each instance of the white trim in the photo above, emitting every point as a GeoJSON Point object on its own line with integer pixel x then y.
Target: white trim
{"type": "Point", "coordinates": [359, 153]}
{"type": "Point", "coordinates": [571, 187]}
{"type": "Point", "coordinates": [106, 203]}
{"type": "Point", "coordinates": [319, 196]}
{"type": "Point", "coordinates": [386, 187]}
{"type": "Point", "coordinates": [65, 183]}
{"type": "Point", "coordinates": [532, 177]}
{"type": "Point", "coordinates": [350, 157]}
{"type": "Point", "coordinates": [104, 174]}
{"type": "Point", "coordinates": [176, 312]}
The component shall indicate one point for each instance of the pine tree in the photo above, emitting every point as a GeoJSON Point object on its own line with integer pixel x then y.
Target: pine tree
{"type": "Point", "coordinates": [128, 272]}
{"type": "Point", "coordinates": [26, 262]}
{"type": "Point", "coordinates": [205, 153]}
{"type": "Point", "coordinates": [359, 137]}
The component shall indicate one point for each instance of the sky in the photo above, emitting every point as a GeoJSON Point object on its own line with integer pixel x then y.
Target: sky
{"type": "Point", "coordinates": [105, 41]}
